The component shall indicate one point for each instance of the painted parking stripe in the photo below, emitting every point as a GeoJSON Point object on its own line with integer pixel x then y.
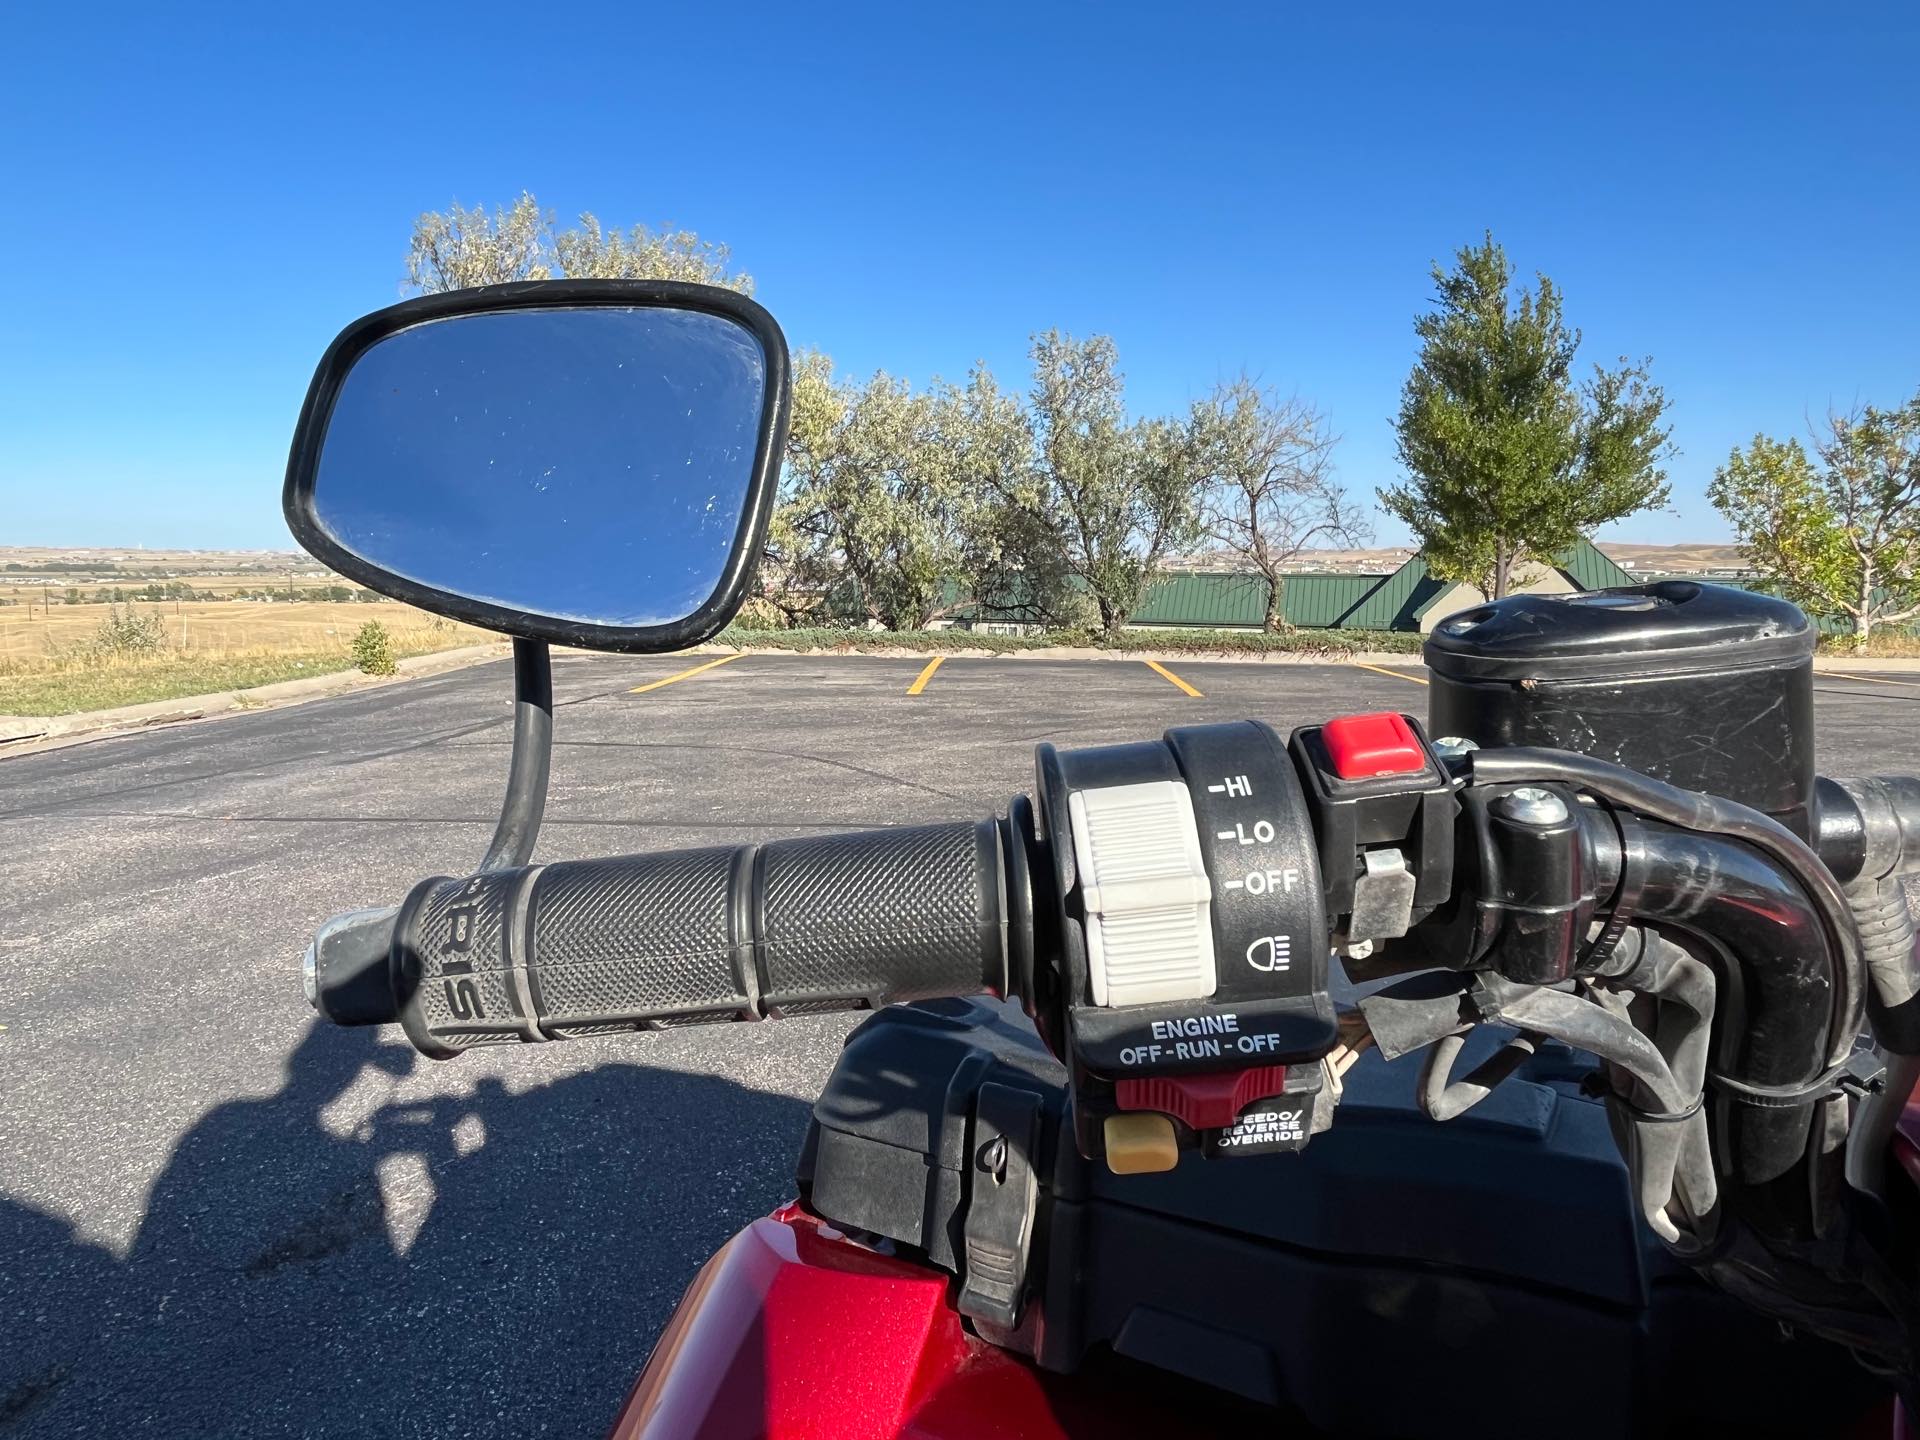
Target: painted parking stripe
{"type": "Point", "coordinates": [1173, 679]}
{"type": "Point", "coordinates": [1382, 670]}
{"type": "Point", "coordinates": [920, 682]}
{"type": "Point", "coordinates": [675, 679]}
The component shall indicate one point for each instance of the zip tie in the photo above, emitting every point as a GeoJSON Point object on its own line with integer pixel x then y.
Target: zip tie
{"type": "Point", "coordinates": [1860, 1073]}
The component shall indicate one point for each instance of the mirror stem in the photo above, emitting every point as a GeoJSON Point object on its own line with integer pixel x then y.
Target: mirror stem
{"type": "Point", "coordinates": [526, 798]}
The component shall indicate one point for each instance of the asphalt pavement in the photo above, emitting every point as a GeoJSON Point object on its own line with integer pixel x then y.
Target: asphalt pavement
{"type": "Point", "coordinates": [217, 1218]}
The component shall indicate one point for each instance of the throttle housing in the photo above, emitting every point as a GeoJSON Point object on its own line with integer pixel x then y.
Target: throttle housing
{"type": "Point", "coordinates": [1191, 936]}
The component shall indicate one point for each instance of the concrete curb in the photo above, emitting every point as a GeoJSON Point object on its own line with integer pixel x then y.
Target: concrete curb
{"type": "Point", "coordinates": [1072, 652]}
{"type": "Point", "coordinates": [19, 733]}
{"type": "Point", "coordinates": [1841, 664]}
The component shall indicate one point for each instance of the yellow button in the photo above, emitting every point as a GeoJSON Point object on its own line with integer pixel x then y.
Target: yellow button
{"type": "Point", "coordinates": [1140, 1142]}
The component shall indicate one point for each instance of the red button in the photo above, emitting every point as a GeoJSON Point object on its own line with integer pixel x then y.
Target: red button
{"type": "Point", "coordinates": [1363, 747]}
{"type": "Point", "coordinates": [1204, 1102]}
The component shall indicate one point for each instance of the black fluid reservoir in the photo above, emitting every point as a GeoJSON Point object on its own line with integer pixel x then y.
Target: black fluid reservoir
{"type": "Point", "coordinates": [1701, 685]}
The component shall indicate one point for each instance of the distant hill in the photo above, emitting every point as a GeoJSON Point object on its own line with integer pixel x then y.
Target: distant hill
{"type": "Point", "coordinates": [120, 560]}
{"type": "Point", "coordinates": [1673, 559]}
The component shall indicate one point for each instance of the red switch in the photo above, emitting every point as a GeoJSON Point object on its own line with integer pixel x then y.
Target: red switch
{"type": "Point", "coordinates": [1364, 747]}
{"type": "Point", "coordinates": [1203, 1102]}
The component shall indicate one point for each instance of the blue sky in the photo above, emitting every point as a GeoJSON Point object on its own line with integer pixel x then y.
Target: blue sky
{"type": "Point", "coordinates": [197, 197]}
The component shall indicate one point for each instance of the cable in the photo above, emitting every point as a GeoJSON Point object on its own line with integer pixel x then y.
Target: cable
{"type": "Point", "coordinates": [1691, 810]}
{"type": "Point", "coordinates": [1444, 1098]}
{"type": "Point", "coordinates": [1670, 1162]}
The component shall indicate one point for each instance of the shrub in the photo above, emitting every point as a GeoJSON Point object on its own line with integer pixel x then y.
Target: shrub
{"type": "Point", "coordinates": [373, 649]}
{"type": "Point", "coordinates": [757, 614]}
{"type": "Point", "coordinates": [126, 633]}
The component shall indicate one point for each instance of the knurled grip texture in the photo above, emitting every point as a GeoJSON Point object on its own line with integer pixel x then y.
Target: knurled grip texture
{"type": "Point", "coordinates": [879, 916]}
{"type": "Point", "coordinates": [595, 946]}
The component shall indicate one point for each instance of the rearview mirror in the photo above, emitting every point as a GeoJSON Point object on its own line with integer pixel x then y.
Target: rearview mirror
{"type": "Point", "coordinates": [589, 462]}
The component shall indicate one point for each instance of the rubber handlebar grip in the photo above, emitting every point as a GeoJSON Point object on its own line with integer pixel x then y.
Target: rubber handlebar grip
{"type": "Point", "coordinates": [593, 947]}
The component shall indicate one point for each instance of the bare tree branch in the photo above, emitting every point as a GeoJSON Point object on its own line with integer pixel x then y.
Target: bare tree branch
{"type": "Point", "coordinates": [1269, 484]}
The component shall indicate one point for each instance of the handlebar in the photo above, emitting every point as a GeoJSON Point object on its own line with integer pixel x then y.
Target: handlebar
{"type": "Point", "coordinates": [634, 942]}
{"type": "Point", "coordinates": [1717, 962]}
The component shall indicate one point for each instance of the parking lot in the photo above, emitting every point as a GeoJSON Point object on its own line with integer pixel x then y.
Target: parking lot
{"type": "Point", "coordinates": [217, 1218]}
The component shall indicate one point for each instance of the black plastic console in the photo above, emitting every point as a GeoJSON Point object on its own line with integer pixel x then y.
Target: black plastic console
{"type": "Point", "coordinates": [1400, 1277]}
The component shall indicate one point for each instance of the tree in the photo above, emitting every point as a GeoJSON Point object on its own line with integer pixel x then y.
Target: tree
{"type": "Point", "coordinates": [884, 494]}
{"type": "Point", "coordinates": [985, 436]}
{"type": "Point", "coordinates": [1270, 491]}
{"type": "Point", "coordinates": [1106, 501]}
{"type": "Point", "coordinates": [799, 565]}
{"type": "Point", "coordinates": [457, 249]}
{"type": "Point", "coordinates": [463, 248]}
{"type": "Point", "coordinates": [881, 493]}
{"type": "Point", "coordinates": [1509, 458]}
{"type": "Point", "coordinates": [643, 254]}
{"type": "Point", "coordinates": [1842, 539]}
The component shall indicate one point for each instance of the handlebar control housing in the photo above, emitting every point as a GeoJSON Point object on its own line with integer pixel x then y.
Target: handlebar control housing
{"type": "Point", "coordinates": [1191, 934]}
{"type": "Point", "coordinates": [1381, 802]}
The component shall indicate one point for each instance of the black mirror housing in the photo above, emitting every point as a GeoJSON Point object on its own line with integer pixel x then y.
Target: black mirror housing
{"type": "Point", "coordinates": [586, 462]}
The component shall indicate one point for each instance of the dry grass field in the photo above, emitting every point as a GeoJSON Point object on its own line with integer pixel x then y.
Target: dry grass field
{"type": "Point", "coordinates": [52, 661]}
{"type": "Point", "coordinates": [221, 625]}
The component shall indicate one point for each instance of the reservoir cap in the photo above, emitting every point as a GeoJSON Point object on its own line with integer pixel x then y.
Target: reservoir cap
{"type": "Point", "coordinates": [1666, 627]}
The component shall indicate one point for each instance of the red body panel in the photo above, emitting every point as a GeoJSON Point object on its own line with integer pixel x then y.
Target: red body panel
{"type": "Point", "coordinates": [794, 1332]}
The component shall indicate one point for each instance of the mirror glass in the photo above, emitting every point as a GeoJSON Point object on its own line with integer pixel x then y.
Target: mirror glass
{"type": "Point", "coordinates": [585, 463]}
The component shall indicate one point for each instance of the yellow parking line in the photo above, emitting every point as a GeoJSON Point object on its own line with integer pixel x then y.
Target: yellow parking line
{"type": "Point", "coordinates": [1381, 670]}
{"type": "Point", "coordinates": [925, 675]}
{"type": "Point", "coordinates": [1161, 670]}
{"type": "Point", "coordinates": [683, 675]}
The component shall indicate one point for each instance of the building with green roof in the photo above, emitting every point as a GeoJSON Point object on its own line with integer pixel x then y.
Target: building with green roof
{"type": "Point", "coordinates": [1410, 598]}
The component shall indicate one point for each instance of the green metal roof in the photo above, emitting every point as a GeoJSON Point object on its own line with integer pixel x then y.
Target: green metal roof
{"type": "Point", "coordinates": [1395, 602]}
{"type": "Point", "coordinates": [1215, 600]}
{"type": "Point", "coordinates": [1181, 598]}
{"type": "Point", "coordinates": [1354, 602]}
{"type": "Point", "coordinates": [1583, 563]}
{"type": "Point", "coordinates": [1588, 567]}
{"type": "Point", "coordinates": [1326, 600]}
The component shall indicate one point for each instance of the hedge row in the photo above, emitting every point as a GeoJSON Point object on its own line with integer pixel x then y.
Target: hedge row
{"type": "Point", "coordinates": [1192, 642]}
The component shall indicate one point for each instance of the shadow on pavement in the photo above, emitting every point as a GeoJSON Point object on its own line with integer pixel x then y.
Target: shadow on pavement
{"type": "Point", "coordinates": [493, 1264]}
